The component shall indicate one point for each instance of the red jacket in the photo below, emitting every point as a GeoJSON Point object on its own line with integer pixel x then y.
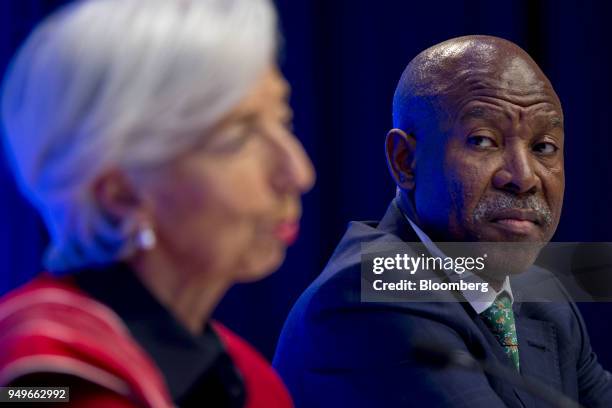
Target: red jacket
{"type": "Point", "coordinates": [50, 326]}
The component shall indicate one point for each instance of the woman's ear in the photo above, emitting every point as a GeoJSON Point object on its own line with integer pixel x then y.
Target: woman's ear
{"type": "Point", "coordinates": [116, 195]}
{"type": "Point", "coordinates": [401, 153]}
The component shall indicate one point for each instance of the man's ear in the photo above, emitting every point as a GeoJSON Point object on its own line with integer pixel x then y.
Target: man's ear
{"type": "Point", "coordinates": [401, 153]}
{"type": "Point", "coordinates": [116, 195]}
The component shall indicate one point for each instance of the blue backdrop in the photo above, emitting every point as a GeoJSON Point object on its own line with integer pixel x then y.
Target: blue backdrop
{"type": "Point", "coordinates": [343, 59]}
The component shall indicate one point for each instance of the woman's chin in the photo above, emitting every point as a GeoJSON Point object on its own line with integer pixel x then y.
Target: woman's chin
{"type": "Point", "coordinates": [261, 264]}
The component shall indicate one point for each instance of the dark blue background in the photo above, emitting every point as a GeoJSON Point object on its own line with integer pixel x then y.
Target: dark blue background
{"type": "Point", "coordinates": [343, 59]}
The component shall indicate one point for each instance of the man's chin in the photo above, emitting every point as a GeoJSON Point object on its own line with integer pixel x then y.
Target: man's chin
{"type": "Point", "coordinates": [498, 258]}
{"type": "Point", "coordinates": [508, 258]}
{"type": "Point", "coordinates": [511, 253]}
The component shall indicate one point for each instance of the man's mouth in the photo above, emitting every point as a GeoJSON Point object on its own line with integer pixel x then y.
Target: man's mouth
{"type": "Point", "coordinates": [517, 221]}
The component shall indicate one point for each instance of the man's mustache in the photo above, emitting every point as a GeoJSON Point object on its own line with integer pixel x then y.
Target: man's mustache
{"type": "Point", "coordinates": [492, 204]}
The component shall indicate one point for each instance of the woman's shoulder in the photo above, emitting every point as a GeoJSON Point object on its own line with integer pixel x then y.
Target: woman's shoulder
{"type": "Point", "coordinates": [50, 326]}
{"type": "Point", "coordinates": [61, 302]}
{"type": "Point", "coordinates": [263, 385]}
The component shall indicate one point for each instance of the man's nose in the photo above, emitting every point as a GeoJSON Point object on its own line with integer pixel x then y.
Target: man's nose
{"type": "Point", "coordinates": [294, 172]}
{"type": "Point", "coordinates": [517, 174]}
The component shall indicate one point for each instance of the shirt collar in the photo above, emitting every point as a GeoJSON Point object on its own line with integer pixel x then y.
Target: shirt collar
{"type": "Point", "coordinates": [480, 301]}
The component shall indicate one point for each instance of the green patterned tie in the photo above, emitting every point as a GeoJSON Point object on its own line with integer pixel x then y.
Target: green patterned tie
{"type": "Point", "coordinates": [499, 317]}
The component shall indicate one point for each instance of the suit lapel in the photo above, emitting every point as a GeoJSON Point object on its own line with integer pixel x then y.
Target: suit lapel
{"type": "Point", "coordinates": [539, 354]}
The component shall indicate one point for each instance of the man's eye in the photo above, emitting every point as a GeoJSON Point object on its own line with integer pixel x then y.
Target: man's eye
{"type": "Point", "coordinates": [545, 148]}
{"type": "Point", "coordinates": [481, 141]}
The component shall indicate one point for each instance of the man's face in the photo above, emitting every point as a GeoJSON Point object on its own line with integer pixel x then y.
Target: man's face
{"type": "Point", "coordinates": [494, 171]}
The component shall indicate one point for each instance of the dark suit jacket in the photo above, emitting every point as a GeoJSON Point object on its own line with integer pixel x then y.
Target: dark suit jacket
{"type": "Point", "coordinates": [336, 351]}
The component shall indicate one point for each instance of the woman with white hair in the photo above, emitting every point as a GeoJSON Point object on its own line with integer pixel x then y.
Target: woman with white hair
{"type": "Point", "coordinates": [153, 137]}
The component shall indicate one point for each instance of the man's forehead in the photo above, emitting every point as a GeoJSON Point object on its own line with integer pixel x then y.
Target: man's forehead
{"type": "Point", "coordinates": [516, 71]}
{"type": "Point", "coordinates": [548, 116]}
{"type": "Point", "coordinates": [509, 80]}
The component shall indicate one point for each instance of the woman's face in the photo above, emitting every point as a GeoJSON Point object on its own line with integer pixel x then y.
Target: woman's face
{"type": "Point", "coordinates": [232, 206]}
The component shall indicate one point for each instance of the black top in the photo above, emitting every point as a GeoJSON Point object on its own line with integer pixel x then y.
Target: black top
{"type": "Point", "coordinates": [197, 369]}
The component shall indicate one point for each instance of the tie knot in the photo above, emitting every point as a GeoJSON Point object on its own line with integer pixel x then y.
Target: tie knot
{"type": "Point", "coordinates": [499, 316]}
{"type": "Point", "coordinates": [503, 301]}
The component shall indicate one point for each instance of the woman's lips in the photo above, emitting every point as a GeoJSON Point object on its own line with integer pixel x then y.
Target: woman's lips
{"type": "Point", "coordinates": [287, 231]}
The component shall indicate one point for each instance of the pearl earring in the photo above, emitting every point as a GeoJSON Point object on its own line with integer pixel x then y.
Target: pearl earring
{"type": "Point", "coordinates": [145, 238]}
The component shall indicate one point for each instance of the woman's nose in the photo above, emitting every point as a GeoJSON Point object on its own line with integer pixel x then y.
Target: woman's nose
{"type": "Point", "coordinates": [294, 172]}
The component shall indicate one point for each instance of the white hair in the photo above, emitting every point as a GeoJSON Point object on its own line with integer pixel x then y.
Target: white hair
{"type": "Point", "coordinates": [126, 83]}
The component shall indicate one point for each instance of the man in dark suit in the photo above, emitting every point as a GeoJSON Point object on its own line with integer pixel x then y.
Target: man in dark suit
{"type": "Point", "coordinates": [477, 156]}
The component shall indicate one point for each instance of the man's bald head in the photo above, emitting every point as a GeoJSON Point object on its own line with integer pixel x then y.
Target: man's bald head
{"type": "Point", "coordinates": [461, 66]}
